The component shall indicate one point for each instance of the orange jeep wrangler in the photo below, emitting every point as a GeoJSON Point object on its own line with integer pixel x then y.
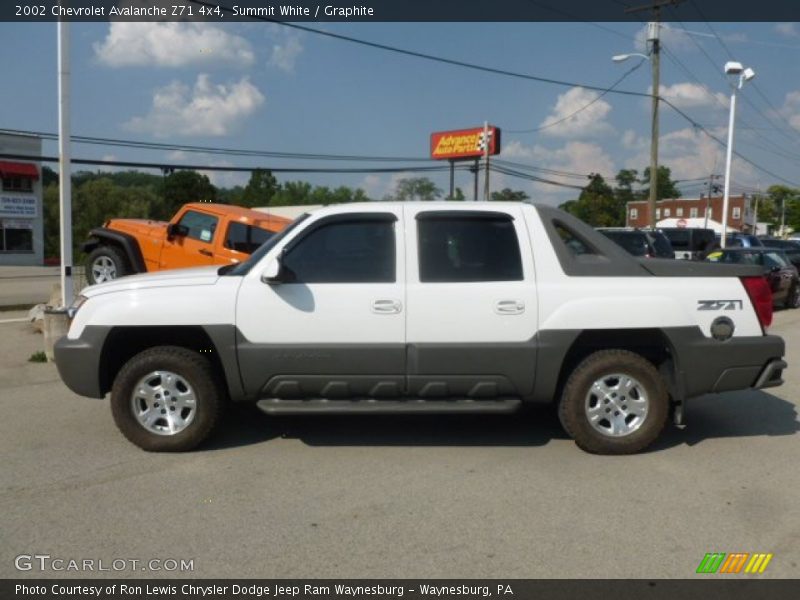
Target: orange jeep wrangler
{"type": "Point", "coordinates": [199, 234]}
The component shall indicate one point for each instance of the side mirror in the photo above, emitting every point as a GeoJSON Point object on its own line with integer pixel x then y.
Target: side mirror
{"type": "Point", "coordinates": [272, 272]}
{"type": "Point", "coordinates": [175, 229]}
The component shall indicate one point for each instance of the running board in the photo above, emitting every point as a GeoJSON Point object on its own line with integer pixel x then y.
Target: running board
{"type": "Point", "coordinates": [274, 406]}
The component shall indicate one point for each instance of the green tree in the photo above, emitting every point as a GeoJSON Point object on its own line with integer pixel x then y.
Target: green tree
{"type": "Point", "coordinates": [665, 186]}
{"type": "Point", "coordinates": [458, 195]}
{"type": "Point", "coordinates": [784, 198]}
{"type": "Point", "coordinates": [415, 188]}
{"type": "Point", "coordinates": [260, 190]}
{"type": "Point", "coordinates": [293, 193]}
{"type": "Point", "coordinates": [596, 204]}
{"type": "Point", "coordinates": [181, 187]}
{"type": "Point", "coordinates": [509, 195]}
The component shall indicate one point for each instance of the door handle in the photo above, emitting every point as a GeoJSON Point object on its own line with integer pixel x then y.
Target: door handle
{"type": "Point", "coordinates": [206, 252]}
{"type": "Point", "coordinates": [509, 307]}
{"type": "Point", "coordinates": [387, 307]}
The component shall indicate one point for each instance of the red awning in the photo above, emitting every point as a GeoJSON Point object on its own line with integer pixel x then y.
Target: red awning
{"type": "Point", "coordinates": [18, 169]}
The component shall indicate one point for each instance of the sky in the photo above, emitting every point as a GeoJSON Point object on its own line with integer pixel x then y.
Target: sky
{"type": "Point", "coordinates": [262, 86]}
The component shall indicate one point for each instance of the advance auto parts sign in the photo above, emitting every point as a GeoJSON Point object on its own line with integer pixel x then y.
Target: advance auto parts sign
{"type": "Point", "coordinates": [464, 143]}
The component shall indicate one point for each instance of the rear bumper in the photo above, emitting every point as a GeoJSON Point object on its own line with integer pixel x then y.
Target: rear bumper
{"type": "Point", "coordinates": [705, 365]}
{"type": "Point", "coordinates": [78, 361]}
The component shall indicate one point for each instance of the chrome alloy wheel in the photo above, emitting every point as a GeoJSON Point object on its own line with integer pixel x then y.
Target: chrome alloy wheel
{"type": "Point", "coordinates": [163, 403]}
{"type": "Point", "coordinates": [103, 269]}
{"type": "Point", "coordinates": [616, 405]}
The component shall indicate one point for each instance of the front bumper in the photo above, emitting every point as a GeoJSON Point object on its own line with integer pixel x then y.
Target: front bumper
{"type": "Point", "coordinates": [78, 361]}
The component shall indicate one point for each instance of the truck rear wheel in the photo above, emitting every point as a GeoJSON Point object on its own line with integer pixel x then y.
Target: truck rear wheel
{"type": "Point", "coordinates": [614, 402]}
{"type": "Point", "coordinates": [166, 399]}
{"type": "Point", "coordinates": [105, 263]}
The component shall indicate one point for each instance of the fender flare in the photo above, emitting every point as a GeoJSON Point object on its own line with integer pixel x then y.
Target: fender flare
{"type": "Point", "coordinates": [126, 242]}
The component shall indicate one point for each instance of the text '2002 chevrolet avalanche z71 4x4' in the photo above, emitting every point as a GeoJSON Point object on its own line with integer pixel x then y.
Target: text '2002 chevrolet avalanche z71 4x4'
{"type": "Point", "coordinates": [424, 307]}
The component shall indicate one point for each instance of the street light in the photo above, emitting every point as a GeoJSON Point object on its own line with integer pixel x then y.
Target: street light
{"type": "Point", "coordinates": [623, 57]}
{"type": "Point", "coordinates": [653, 57]}
{"type": "Point", "coordinates": [735, 69]}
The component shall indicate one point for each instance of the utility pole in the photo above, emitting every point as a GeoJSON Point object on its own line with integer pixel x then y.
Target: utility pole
{"type": "Point", "coordinates": [486, 159]}
{"type": "Point", "coordinates": [711, 189]}
{"type": "Point", "coordinates": [65, 170]}
{"type": "Point", "coordinates": [655, 59]}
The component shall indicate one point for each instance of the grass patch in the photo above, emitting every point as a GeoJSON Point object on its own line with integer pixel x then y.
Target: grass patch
{"type": "Point", "coordinates": [38, 357]}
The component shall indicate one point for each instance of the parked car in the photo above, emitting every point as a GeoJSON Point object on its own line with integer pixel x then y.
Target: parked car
{"type": "Point", "coordinates": [199, 234]}
{"type": "Point", "coordinates": [737, 239]}
{"type": "Point", "coordinates": [781, 274]}
{"type": "Point", "coordinates": [790, 247]}
{"type": "Point", "coordinates": [425, 307]}
{"type": "Point", "coordinates": [690, 243]}
{"type": "Point", "coordinates": [649, 243]}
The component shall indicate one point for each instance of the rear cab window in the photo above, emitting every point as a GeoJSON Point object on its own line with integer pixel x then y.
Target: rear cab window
{"type": "Point", "coordinates": [245, 238]}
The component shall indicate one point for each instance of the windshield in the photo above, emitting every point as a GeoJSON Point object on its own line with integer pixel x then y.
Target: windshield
{"type": "Point", "coordinates": [244, 267]}
{"type": "Point", "coordinates": [679, 238]}
{"type": "Point", "coordinates": [662, 246]}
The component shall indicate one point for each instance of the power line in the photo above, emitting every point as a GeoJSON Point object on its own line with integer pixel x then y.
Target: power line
{"type": "Point", "coordinates": [431, 57]}
{"type": "Point", "coordinates": [716, 70]}
{"type": "Point", "coordinates": [780, 150]}
{"type": "Point", "coordinates": [582, 108]}
{"type": "Point", "coordinates": [699, 127]}
{"type": "Point", "coordinates": [212, 150]}
{"type": "Point", "coordinates": [505, 171]}
{"type": "Point", "coordinates": [523, 166]}
{"type": "Point", "coordinates": [754, 84]}
{"type": "Point", "coordinates": [165, 165]}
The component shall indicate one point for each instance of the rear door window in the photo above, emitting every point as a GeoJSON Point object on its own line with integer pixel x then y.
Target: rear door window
{"type": "Point", "coordinates": [460, 248]}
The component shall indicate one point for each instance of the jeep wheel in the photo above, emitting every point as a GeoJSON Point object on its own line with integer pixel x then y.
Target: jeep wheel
{"type": "Point", "coordinates": [793, 299]}
{"type": "Point", "coordinates": [105, 263]}
{"type": "Point", "coordinates": [614, 402]}
{"type": "Point", "coordinates": [166, 399]}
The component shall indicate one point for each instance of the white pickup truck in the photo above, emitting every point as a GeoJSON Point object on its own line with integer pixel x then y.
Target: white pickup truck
{"type": "Point", "coordinates": [424, 307]}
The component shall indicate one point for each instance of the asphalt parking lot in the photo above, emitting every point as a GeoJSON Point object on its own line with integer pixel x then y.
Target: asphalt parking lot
{"type": "Point", "coordinates": [395, 497]}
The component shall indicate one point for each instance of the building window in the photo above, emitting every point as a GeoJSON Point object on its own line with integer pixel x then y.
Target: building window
{"type": "Point", "coordinates": [658, 213]}
{"type": "Point", "coordinates": [634, 213]}
{"type": "Point", "coordinates": [737, 212]}
{"type": "Point", "coordinates": [679, 212]}
{"type": "Point", "coordinates": [17, 184]}
{"type": "Point", "coordinates": [16, 236]}
{"type": "Point", "coordinates": [666, 212]}
{"type": "Point", "coordinates": [693, 212]}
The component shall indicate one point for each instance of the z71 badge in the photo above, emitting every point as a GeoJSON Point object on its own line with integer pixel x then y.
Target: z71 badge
{"type": "Point", "coordinates": [719, 305]}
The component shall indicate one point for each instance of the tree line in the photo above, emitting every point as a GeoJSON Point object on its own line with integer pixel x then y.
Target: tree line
{"type": "Point", "coordinates": [601, 205]}
{"type": "Point", "coordinates": [99, 196]}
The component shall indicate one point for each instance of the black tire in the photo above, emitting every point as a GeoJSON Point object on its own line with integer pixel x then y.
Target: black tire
{"type": "Point", "coordinates": [793, 298]}
{"type": "Point", "coordinates": [572, 409]}
{"type": "Point", "coordinates": [190, 368]}
{"type": "Point", "coordinates": [109, 255]}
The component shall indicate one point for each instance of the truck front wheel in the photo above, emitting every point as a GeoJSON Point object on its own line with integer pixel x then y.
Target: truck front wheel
{"type": "Point", "coordinates": [105, 263]}
{"type": "Point", "coordinates": [166, 399]}
{"type": "Point", "coordinates": [614, 402]}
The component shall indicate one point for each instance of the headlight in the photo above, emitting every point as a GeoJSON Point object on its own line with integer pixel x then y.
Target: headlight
{"type": "Point", "coordinates": [73, 309]}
